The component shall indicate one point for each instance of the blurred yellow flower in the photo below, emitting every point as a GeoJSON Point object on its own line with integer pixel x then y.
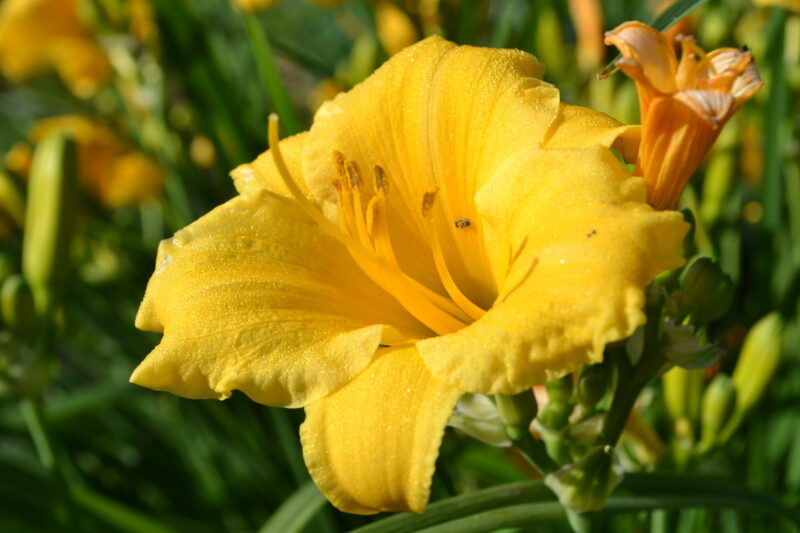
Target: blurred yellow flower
{"type": "Point", "coordinates": [108, 166]}
{"type": "Point", "coordinates": [39, 35]}
{"type": "Point", "coordinates": [254, 5]}
{"type": "Point", "coordinates": [683, 106]}
{"type": "Point", "coordinates": [395, 29]}
{"type": "Point", "coordinates": [446, 226]}
{"type": "Point", "coordinates": [794, 5]}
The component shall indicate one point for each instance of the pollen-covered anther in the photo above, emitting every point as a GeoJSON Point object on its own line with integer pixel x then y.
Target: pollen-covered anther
{"type": "Point", "coordinates": [354, 174]}
{"type": "Point", "coordinates": [381, 181]}
{"type": "Point", "coordinates": [461, 223]}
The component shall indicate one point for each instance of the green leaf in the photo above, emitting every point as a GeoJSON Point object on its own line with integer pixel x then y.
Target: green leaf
{"type": "Point", "coordinates": [293, 515]}
{"type": "Point", "coordinates": [520, 504]}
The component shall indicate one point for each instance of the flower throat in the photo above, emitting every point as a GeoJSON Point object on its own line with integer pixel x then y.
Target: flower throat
{"type": "Point", "coordinates": [365, 233]}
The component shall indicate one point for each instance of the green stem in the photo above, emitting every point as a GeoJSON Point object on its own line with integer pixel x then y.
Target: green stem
{"type": "Point", "coordinates": [265, 62]}
{"type": "Point", "coordinates": [532, 449]}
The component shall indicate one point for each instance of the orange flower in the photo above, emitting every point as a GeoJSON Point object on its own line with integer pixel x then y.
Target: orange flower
{"type": "Point", "coordinates": [683, 105]}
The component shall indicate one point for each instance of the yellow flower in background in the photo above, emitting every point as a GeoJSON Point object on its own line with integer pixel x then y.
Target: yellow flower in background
{"type": "Point", "coordinates": [683, 105]}
{"type": "Point", "coordinates": [395, 29]}
{"type": "Point", "coordinates": [108, 166]}
{"type": "Point", "coordinates": [794, 5]}
{"type": "Point", "coordinates": [447, 226]}
{"type": "Point", "coordinates": [254, 5]}
{"type": "Point", "coordinates": [37, 36]}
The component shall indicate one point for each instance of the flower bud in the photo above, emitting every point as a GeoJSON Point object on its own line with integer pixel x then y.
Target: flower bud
{"type": "Point", "coordinates": [707, 292]}
{"type": "Point", "coordinates": [586, 484]}
{"type": "Point", "coordinates": [719, 402]}
{"type": "Point", "coordinates": [478, 417]}
{"type": "Point", "coordinates": [50, 217]}
{"type": "Point", "coordinates": [517, 410]}
{"type": "Point", "coordinates": [758, 360]}
{"type": "Point", "coordinates": [11, 201]}
{"type": "Point", "coordinates": [682, 393]}
{"type": "Point", "coordinates": [17, 306]}
{"type": "Point", "coordinates": [593, 383]}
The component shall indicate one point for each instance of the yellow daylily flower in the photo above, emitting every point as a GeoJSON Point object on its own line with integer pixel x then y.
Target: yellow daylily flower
{"type": "Point", "coordinates": [683, 105]}
{"type": "Point", "coordinates": [39, 35]}
{"type": "Point", "coordinates": [108, 166]}
{"type": "Point", "coordinates": [446, 226]}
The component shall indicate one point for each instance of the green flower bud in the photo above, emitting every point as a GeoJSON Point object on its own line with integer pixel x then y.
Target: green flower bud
{"type": "Point", "coordinates": [719, 402]}
{"type": "Point", "coordinates": [11, 200]}
{"type": "Point", "coordinates": [717, 182]}
{"type": "Point", "coordinates": [685, 348]}
{"type": "Point", "coordinates": [559, 390]}
{"type": "Point", "coordinates": [478, 417]}
{"type": "Point", "coordinates": [17, 306]}
{"type": "Point", "coordinates": [707, 292]}
{"type": "Point", "coordinates": [593, 383]}
{"type": "Point", "coordinates": [50, 218]}
{"type": "Point", "coordinates": [555, 415]}
{"type": "Point", "coordinates": [758, 360]}
{"type": "Point", "coordinates": [683, 390]}
{"type": "Point", "coordinates": [517, 410]}
{"type": "Point", "coordinates": [586, 484]}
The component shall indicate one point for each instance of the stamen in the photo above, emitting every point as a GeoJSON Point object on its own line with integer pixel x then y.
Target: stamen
{"type": "Point", "coordinates": [432, 310]}
{"type": "Point", "coordinates": [449, 283]}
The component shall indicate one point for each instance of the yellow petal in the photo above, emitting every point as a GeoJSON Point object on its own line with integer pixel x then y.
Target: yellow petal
{"type": "Point", "coordinates": [579, 127]}
{"type": "Point", "coordinates": [435, 117]}
{"type": "Point", "coordinates": [371, 446]}
{"type": "Point", "coordinates": [134, 179]}
{"type": "Point", "coordinates": [262, 173]}
{"type": "Point", "coordinates": [253, 297]}
{"type": "Point", "coordinates": [578, 245]}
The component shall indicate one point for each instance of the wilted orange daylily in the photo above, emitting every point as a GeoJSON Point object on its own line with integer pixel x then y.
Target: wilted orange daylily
{"type": "Point", "coordinates": [39, 35]}
{"type": "Point", "coordinates": [447, 226]}
{"type": "Point", "coordinates": [109, 167]}
{"type": "Point", "coordinates": [683, 105]}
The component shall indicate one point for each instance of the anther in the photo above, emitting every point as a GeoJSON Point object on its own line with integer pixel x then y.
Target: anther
{"type": "Point", "coordinates": [428, 199]}
{"type": "Point", "coordinates": [353, 174]}
{"type": "Point", "coordinates": [339, 162]}
{"type": "Point", "coordinates": [462, 223]}
{"type": "Point", "coordinates": [381, 180]}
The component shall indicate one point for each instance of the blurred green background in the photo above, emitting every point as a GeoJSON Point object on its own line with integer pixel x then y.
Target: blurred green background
{"type": "Point", "coordinates": [189, 87]}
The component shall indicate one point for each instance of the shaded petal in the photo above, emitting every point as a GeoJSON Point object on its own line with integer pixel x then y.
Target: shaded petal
{"type": "Point", "coordinates": [262, 173]}
{"type": "Point", "coordinates": [648, 48]}
{"type": "Point", "coordinates": [574, 246]}
{"type": "Point", "coordinates": [435, 116]}
{"type": "Point", "coordinates": [253, 297]}
{"type": "Point", "coordinates": [579, 127]}
{"type": "Point", "coordinates": [371, 446]}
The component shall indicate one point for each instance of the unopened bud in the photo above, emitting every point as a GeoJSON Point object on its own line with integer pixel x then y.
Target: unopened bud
{"type": "Point", "coordinates": [719, 402]}
{"type": "Point", "coordinates": [593, 383]}
{"type": "Point", "coordinates": [707, 292]}
{"type": "Point", "coordinates": [11, 201]}
{"type": "Point", "coordinates": [559, 390]}
{"type": "Point", "coordinates": [717, 183]}
{"type": "Point", "coordinates": [682, 392]}
{"type": "Point", "coordinates": [17, 306]}
{"type": "Point", "coordinates": [517, 410]}
{"type": "Point", "coordinates": [586, 484]}
{"type": "Point", "coordinates": [758, 360]}
{"type": "Point", "coordinates": [50, 217]}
